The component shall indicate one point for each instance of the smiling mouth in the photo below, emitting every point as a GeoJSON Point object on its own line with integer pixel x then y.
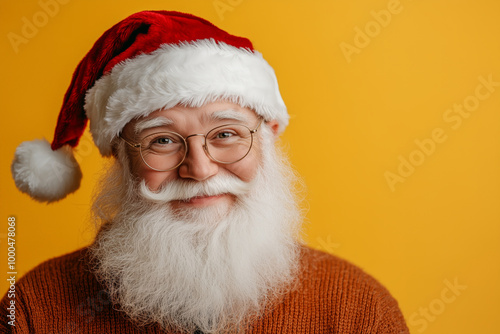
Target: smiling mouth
{"type": "Point", "coordinates": [203, 200]}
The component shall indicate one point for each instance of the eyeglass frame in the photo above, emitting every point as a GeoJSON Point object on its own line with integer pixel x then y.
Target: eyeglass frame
{"type": "Point", "coordinates": [205, 147]}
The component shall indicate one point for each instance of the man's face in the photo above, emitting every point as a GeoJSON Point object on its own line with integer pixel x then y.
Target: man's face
{"type": "Point", "coordinates": [197, 166]}
{"type": "Point", "coordinates": [211, 262]}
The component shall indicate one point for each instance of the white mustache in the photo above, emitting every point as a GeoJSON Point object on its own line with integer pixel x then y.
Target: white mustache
{"type": "Point", "coordinates": [183, 190]}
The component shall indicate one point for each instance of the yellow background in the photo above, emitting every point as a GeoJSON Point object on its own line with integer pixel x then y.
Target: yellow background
{"type": "Point", "coordinates": [353, 118]}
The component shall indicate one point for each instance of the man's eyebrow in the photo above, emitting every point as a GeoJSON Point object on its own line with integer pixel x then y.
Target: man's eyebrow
{"type": "Point", "coordinates": [151, 123]}
{"type": "Point", "coordinates": [228, 114]}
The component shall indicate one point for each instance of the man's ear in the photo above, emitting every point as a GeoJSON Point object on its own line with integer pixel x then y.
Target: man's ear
{"type": "Point", "coordinates": [274, 126]}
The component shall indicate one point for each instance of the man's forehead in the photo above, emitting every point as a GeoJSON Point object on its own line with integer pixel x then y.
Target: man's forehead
{"type": "Point", "coordinates": [180, 116]}
{"type": "Point", "coordinates": [153, 122]}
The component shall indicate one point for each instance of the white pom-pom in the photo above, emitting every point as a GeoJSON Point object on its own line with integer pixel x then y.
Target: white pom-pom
{"type": "Point", "coordinates": [44, 174]}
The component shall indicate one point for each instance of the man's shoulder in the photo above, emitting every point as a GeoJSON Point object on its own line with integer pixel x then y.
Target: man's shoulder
{"type": "Point", "coordinates": [336, 273]}
{"type": "Point", "coordinates": [315, 259]}
{"type": "Point", "coordinates": [59, 273]}
{"type": "Point", "coordinates": [338, 289]}
{"type": "Point", "coordinates": [70, 263]}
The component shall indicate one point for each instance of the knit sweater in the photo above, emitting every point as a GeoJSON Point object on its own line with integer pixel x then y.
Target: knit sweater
{"type": "Point", "coordinates": [332, 296]}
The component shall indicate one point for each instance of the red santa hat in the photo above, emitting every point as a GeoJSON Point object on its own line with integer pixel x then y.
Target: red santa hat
{"type": "Point", "coordinates": [149, 61]}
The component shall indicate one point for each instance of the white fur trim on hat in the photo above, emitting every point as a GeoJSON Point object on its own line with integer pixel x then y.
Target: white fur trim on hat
{"type": "Point", "coordinates": [190, 74]}
{"type": "Point", "coordinates": [45, 175]}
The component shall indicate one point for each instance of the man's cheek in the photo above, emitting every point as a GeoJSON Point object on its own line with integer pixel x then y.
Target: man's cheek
{"type": "Point", "coordinates": [154, 180]}
{"type": "Point", "coordinates": [244, 170]}
{"type": "Point", "coordinates": [247, 169]}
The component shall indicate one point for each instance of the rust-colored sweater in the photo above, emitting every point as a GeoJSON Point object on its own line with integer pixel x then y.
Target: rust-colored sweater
{"type": "Point", "coordinates": [62, 296]}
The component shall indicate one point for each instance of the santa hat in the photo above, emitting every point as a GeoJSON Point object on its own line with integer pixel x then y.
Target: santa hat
{"type": "Point", "coordinates": [151, 60]}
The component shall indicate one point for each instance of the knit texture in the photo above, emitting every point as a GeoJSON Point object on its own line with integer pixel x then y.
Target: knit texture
{"type": "Point", "coordinates": [331, 296]}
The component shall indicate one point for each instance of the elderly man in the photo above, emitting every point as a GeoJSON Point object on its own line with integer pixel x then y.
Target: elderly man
{"type": "Point", "coordinates": [198, 224]}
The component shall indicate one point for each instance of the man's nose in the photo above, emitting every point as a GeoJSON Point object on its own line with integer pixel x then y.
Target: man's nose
{"type": "Point", "coordinates": [197, 165]}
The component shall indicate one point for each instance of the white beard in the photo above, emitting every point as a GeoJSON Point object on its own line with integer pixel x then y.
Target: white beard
{"type": "Point", "coordinates": [211, 269]}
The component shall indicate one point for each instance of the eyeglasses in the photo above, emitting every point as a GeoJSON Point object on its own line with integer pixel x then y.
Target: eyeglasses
{"type": "Point", "coordinates": [225, 144]}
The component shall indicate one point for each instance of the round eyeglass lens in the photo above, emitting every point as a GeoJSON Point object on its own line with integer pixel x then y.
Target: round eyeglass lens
{"type": "Point", "coordinates": [229, 143]}
{"type": "Point", "coordinates": [163, 151]}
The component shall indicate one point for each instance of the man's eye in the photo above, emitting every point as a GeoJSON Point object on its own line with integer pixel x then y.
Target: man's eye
{"type": "Point", "coordinates": [223, 135]}
{"type": "Point", "coordinates": [163, 141]}
{"type": "Point", "coordinates": [160, 141]}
